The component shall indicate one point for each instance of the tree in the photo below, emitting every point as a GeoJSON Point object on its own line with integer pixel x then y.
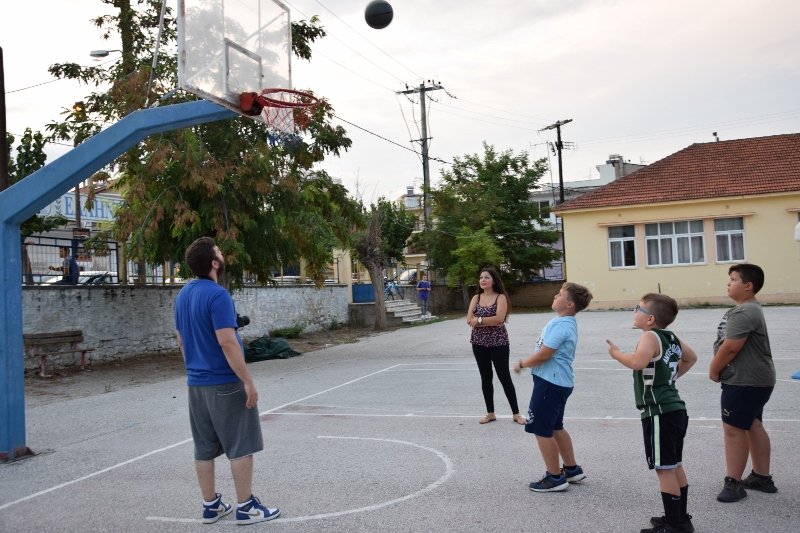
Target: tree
{"type": "Point", "coordinates": [260, 196]}
{"type": "Point", "coordinates": [386, 234]}
{"type": "Point", "coordinates": [30, 158]}
{"type": "Point", "coordinates": [492, 192]}
{"type": "Point", "coordinates": [474, 251]}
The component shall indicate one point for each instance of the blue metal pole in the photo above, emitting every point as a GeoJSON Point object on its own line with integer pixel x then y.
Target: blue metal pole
{"type": "Point", "coordinates": [30, 195]}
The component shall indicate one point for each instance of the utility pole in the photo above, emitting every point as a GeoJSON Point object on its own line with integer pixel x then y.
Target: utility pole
{"type": "Point", "coordinates": [3, 141]}
{"type": "Point", "coordinates": [426, 177]}
{"type": "Point", "coordinates": [559, 146]}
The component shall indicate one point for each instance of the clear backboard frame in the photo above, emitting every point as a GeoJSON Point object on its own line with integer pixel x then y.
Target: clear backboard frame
{"type": "Point", "coordinates": [229, 47]}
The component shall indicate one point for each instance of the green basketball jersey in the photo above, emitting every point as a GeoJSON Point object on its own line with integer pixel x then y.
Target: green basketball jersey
{"type": "Point", "coordinates": [654, 385]}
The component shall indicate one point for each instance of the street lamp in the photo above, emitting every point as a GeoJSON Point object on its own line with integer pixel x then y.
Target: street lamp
{"type": "Point", "coordinates": [102, 53]}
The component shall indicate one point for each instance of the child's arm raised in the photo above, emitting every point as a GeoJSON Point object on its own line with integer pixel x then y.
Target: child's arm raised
{"type": "Point", "coordinates": [647, 348]}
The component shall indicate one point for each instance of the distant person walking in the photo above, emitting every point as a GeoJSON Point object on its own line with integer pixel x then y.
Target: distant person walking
{"type": "Point", "coordinates": [424, 291]}
{"type": "Point", "coordinates": [69, 267]}
{"type": "Point", "coordinates": [487, 316]}
{"type": "Point", "coordinates": [223, 409]}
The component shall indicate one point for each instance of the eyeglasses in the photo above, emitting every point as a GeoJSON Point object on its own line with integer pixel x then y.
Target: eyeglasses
{"type": "Point", "coordinates": [641, 309]}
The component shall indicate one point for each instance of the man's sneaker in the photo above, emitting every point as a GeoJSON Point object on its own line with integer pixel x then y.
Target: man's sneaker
{"type": "Point", "coordinates": [758, 482]}
{"type": "Point", "coordinates": [215, 510]}
{"type": "Point", "coordinates": [733, 491]}
{"type": "Point", "coordinates": [685, 527]}
{"type": "Point", "coordinates": [549, 484]}
{"type": "Point", "coordinates": [253, 512]}
{"type": "Point", "coordinates": [573, 475]}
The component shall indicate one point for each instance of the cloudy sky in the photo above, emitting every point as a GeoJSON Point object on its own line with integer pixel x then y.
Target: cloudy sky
{"type": "Point", "coordinates": [640, 78]}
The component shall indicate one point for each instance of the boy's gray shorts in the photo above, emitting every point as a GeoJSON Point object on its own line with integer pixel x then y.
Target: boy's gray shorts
{"type": "Point", "coordinates": [221, 422]}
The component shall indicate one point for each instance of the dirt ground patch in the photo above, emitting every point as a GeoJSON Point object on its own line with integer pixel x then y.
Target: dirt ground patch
{"type": "Point", "coordinates": [101, 378]}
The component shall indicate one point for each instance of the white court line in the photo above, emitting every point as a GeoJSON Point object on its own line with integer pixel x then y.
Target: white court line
{"type": "Point", "coordinates": [175, 445]}
{"type": "Point", "coordinates": [444, 477]}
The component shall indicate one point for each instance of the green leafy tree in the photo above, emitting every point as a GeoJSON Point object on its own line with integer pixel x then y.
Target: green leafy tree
{"type": "Point", "coordinates": [492, 192]}
{"type": "Point", "coordinates": [474, 250]}
{"type": "Point", "coordinates": [388, 227]}
{"type": "Point", "coordinates": [30, 158]}
{"type": "Point", "coordinates": [260, 196]}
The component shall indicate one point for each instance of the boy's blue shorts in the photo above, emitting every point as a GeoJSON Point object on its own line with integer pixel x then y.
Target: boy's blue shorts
{"type": "Point", "coordinates": [546, 410]}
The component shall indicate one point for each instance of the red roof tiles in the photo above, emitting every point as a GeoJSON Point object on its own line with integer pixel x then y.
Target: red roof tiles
{"type": "Point", "coordinates": [744, 167]}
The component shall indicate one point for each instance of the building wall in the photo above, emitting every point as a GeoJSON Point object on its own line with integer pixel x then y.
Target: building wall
{"type": "Point", "coordinates": [769, 242]}
{"type": "Point", "coordinates": [120, 322]}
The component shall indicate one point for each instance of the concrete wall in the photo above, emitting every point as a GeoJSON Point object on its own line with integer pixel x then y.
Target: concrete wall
{"type": "Point", "coordinates": [120, 322]}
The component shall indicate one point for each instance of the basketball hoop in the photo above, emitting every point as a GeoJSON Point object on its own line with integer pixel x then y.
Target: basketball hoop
{"type": "Point", "coordinates": [280, 109]}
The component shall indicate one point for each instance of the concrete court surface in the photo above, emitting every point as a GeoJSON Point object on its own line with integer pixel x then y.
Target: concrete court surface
{"type": "Point", "coordinates": [383, 435]}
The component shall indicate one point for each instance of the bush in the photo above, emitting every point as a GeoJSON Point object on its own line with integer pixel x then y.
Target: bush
{"type": "Point", "coordinates": [291, 332]}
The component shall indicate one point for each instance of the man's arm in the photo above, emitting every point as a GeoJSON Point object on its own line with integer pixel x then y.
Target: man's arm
{"type": "Point", "coordinates": [726, 353]}
{"type": "Point", "coordinates": [233, 353]}
{"type": "Point", "coordinates": [647, 348]}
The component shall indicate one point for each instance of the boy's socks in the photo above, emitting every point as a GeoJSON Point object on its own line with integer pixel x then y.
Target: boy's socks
{"type": "Point", "coordinates": [672, 509]}
{"type": "Point", "coordinates": [684, 502]}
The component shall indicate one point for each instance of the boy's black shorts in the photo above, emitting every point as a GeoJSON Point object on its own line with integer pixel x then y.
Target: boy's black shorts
{"type": "Point", "coordinates": [663, 439]}
{"type": "Point", "coordinates": [741, 406]}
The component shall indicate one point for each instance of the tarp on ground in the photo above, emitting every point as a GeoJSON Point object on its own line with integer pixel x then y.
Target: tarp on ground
{"type": "Point", "coordinates": [265, 348]}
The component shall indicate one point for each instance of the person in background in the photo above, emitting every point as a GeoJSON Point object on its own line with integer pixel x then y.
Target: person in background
{"type": "Point", "coordinates": [423, 291]}
{"type": "Point", "coordinates": [69, 267]}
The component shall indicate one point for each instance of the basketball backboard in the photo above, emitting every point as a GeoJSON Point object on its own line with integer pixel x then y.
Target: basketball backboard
{"type": "Point", "coordinates": [229, 47]}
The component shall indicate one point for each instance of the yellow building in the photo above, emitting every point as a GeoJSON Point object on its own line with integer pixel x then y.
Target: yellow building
{"type": "Point", "coordinates": [676, 225]}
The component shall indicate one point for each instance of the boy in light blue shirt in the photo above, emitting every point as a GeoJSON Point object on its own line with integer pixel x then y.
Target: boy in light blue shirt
{"type": "Point", "coordinates": [553, 382]}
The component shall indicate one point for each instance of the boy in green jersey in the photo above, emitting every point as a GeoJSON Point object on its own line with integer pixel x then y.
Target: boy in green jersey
{"type": "Point", "coordinates": [659, 359]}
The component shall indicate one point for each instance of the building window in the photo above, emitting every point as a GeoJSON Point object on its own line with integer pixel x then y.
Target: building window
{"type": "Point", "coordinates": [729, 234]}
{"type": "Point", "coordinates": [622, 246]}
{"type": "Point", "coordinates": [675, 243]}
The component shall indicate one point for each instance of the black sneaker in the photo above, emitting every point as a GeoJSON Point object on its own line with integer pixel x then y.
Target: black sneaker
{"type": "Point", "coordinates": [733, 491]}
{"type": "Point", "coordinates": [549, 484]}
{"type": "Point", "coordinates": [685, 527]}
{"type": "Point", "coordinates": [761, 483]}
{"type": "Point", "coordinates": [574, 474]}
{"type": "Point", "coordinates": [663, 528]}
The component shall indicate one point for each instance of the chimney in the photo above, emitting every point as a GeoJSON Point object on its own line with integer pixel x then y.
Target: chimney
{"type": "Point", "coordinates": [409, 190]}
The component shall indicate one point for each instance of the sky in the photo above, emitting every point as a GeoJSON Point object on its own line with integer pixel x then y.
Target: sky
{"type": "Point", "coordinates": [639, 78]}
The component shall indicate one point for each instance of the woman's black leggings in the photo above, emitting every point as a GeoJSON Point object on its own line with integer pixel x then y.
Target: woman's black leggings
{"type": "Point", "coordinates": [485, 356]}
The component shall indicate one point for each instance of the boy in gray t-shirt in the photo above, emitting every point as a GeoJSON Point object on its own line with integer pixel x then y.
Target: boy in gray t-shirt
{"type": "Point", "coordinates": [743, 364]}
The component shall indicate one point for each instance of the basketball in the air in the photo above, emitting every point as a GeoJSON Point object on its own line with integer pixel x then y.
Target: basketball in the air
{"type": "Point", "coordinates": [378, 14]}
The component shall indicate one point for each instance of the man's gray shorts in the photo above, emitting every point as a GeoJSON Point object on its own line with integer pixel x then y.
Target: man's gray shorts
{"type": "Point", "coordinates": [221, 422]}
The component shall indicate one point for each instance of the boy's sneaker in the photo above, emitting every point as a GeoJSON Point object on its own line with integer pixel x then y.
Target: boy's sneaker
{"type": "Point", "coordinates": [758, 482]}
{"type": "Point", "coordinates": [663, 528]}
{"type": "Point", "coordinates": [253, 512]}
{"type": "Point", "coordinates": [574, 474]}
{"type": "Point", "coordinates": [685, 527]}
{"type": "Point", "coordinates": [733, 491]}
{"type": "Point", "coordinates": [550, 484]}
{"type": "Point", "coordinates": [215, 510]}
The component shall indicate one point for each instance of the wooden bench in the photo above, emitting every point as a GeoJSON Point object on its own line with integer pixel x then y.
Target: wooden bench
{"type": "Point", "coordinates": [55, 343]}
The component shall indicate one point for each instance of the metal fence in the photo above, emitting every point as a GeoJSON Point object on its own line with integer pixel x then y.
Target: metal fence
{"type": "Point", "coordinates": [41, 263]}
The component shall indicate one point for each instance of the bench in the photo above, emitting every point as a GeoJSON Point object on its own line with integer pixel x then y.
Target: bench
{"type": "Point", "coordinates": [55, 343]}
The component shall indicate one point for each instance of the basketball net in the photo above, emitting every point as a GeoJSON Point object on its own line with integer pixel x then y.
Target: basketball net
{"type": "Point", "coordinates": [282, 110]}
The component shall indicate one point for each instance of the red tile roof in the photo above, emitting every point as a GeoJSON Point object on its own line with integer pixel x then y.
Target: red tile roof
{"type": "Point", "coordinates": [744, 167]}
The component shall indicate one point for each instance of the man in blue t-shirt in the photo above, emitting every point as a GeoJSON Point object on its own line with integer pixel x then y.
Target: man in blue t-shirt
{"type": "Point", "coordinates": [223, 409]}
{"type": "Point", "coordinates": [69, 267]}
{"type": "Point", "coordinates": [553, 381]}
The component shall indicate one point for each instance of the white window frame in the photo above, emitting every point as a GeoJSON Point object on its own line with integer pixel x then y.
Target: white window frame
{"type": "Point", "coordinates": [728, 235]}
{"type": "Point", "coordinates": [669, 241]}
{"type": "Point", "coordinates": [621, 242]}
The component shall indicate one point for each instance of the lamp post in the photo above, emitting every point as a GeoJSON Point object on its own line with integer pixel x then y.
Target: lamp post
{"type": "Point", "coordinates": [102, 53]}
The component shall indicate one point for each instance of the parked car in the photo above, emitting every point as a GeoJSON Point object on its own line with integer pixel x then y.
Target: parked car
{"type": "Point", "coordinates": [88, 277]}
